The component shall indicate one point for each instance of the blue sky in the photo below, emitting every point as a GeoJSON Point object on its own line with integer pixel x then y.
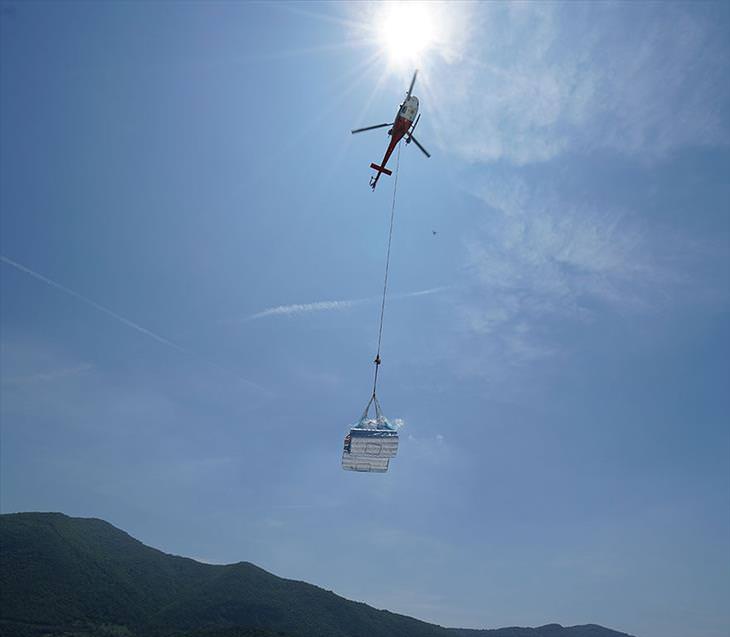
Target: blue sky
{"type": "Point", "coordinates": [171, 174]}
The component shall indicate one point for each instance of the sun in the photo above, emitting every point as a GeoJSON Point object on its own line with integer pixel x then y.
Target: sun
{"type": "Point", "coordinates": [405, 31]}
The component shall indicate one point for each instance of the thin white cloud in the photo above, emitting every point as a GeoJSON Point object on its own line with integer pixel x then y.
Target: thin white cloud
{"type": "Point", "coordinates": [304, 308]}
{"type": "Point", "coordinates": [296, 309]}
{"type": "Point", "coordinates": [540, 262]}
{"type": "Point", "coordinates": [544, 79]}
{"type": "Point", "coordinates": [426, 292]}
{"type": "Point", "coordinates": [559, 251]}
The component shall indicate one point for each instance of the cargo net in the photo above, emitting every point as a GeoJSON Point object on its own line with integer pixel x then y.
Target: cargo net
{"type": "Point", "coordinates": [379, 421]}
{"type": "Point", "coordinates": [371, 443]}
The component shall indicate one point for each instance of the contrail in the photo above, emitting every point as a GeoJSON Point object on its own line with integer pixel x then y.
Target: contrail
{"type": "Point", "coordinates": [301, 308]}
{"type": "Point", "coordinates": [409, 295]}
{"type": "Point", "coordinates": [93, 304]}
{"type": "Point", "coordinates": [119, 317]}
{"type": "Point", "coordinates": [320, 306]}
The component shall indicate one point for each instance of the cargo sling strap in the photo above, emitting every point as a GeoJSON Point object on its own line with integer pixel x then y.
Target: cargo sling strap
{"type": "Point", "coordinates": [379, 417]}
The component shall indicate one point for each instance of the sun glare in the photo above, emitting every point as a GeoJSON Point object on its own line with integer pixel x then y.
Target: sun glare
{"type": "Point", "coordinates": [405, 31]}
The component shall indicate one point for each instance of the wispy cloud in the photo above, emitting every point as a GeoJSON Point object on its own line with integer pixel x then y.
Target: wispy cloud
{"type": "Point", "coordinates": [304, 308]}
{"type": "Point", "coordinates": [540, 262]}
{"type": "Point", "coordinates": [429, 449]}
{"type": "Point", "coordinates": [426, 292]}
{"type": "Point", "coordinates": [557, 251]}
{"type": "Point", "coordinates": [538, 83]}
{"type": "Point", "coordinates": [544, 79]}
{"type": "Point", "coordinates": [333, 306]}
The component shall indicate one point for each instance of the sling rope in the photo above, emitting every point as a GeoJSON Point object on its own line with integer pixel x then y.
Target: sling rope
{"type": "Point", "coordinates": [385, 285]}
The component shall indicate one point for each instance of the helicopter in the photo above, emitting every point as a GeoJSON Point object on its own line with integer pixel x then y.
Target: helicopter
{"type": "Point", "coordinates": [405, 123]}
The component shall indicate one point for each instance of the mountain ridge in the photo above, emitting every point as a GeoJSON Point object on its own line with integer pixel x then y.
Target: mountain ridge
{"type": "Point", "coordinates": [78, 577]}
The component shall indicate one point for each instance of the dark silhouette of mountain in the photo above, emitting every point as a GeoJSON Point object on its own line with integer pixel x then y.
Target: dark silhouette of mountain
{"type": "Point", "coordinates": [80, 577]}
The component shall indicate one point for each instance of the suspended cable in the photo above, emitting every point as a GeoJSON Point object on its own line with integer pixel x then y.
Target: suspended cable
{"type": "Point", "coordinates": [385, 281]}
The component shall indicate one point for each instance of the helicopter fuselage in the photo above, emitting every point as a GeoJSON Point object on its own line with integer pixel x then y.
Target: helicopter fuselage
{"type": "Point", "coordinates": [404, 119]}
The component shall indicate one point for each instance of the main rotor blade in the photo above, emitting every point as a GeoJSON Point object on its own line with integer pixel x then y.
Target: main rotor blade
{"type": "Point", "coordinates": [413, 81]}
{"type": "Point", "coordinates": [361, 130]}
{"type": "Point", "coordinates": [423, 150]}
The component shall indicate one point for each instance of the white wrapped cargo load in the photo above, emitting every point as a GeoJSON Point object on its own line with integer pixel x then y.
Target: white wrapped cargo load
{"type": "Point", "coordinates": [371, 443]}
{"type": "Point", "coordinates": [369, 465]}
